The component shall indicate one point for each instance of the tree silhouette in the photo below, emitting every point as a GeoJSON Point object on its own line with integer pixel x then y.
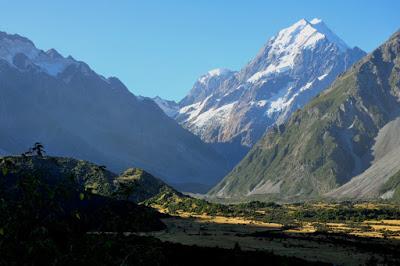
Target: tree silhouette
{"type": "Point", "coordinates": [27, 153]}
{"type": "Point", "coordinates": [38, 148]}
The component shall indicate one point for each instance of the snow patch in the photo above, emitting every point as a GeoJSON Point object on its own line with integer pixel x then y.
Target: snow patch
{"type": "Point", "coordinates": [218, 72]}
{"type": "Point", "coordinates": [261, 103]}
{"type": "Point", "coordinates": [213, 115]}
{"type": "Point", "coordinates": [352, 124]}
{"type": "Point", "coordinates": [50, 62]}
{"type": "Point", "coordinates": [170, 108]}
{"type": "Point", "coordinates": [280, 101]}
{"type": "Point", "coordinates": [322, 77]}
{"type": "Point", "coordinates": [193, 110]}
{"type": "Point", "coordinates": [307, 86]}
{"type": "Point", "coordinates": [316, 21]}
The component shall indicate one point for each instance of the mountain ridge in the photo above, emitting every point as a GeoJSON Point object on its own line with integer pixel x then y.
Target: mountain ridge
{"type": "Point", "coordinates": [232, 109]}
{"type": "Point", "coordinates": [77, 113]}
{"type": "Point", "coordinates": [337, 129]}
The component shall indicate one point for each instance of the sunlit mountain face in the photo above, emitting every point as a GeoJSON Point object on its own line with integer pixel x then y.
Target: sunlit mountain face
{"type": "Point", "coordinates": [233, 109]}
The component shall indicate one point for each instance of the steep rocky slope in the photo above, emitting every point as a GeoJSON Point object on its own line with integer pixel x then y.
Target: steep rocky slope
{"type": "Point", "coordinates": [345, 139]}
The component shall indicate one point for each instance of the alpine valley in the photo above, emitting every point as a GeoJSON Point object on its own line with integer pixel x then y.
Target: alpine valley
{"type": "Point", "coordinates": [294, 159]}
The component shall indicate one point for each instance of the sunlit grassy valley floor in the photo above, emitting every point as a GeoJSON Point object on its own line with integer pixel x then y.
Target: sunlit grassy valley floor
{"type": "Point", "coordinates": [343, 233]}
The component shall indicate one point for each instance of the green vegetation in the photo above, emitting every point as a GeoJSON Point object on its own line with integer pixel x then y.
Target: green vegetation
{"type": "Point", "coordinates": [271, 212]}
{"type": "Point", "coordinates": [137, 185]}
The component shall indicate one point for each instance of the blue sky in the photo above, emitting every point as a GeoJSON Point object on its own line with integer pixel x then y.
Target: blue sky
{"type": "Point", "coordinates": [162, 47]}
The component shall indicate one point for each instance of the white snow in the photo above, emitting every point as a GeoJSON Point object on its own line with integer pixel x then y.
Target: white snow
{"type": "Point", "coordinates": [193, 110]}
{"type": "Point", "coordinates": [261, 103]}
{"type": "Point", "coordinates": [214, 115]}
{"type": "Point", "coordinates": [53, 66]}
{"type": "Point", "coordinates": [316, 21]}
{"type": "Point", "coordinates": [9, 48]}
{"type": "Point", "coordinates": [218, 72]}
{"type": "Point", "coordinates": [214, 73]}
{"type": "Point", "coordinates": [269, 70]}
{"type": "Point", "coordinates": [321, 27]}
{"type": "Point", "coordinates": [307, 86]}
{"type": "Point", "coordinates": [352, 124]}
{"type": "Point", "coordinates": [278, 57]}
{"type": "Point", "coordinates": [289, 43]}
{"type": "Point", "coordinates": [170, 108]}
{"type": "Point", "coordinates": [278, 105]}
{"type": "Point", "coordinates": [322, 77]}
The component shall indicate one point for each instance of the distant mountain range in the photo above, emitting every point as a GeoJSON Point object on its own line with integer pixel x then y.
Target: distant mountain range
{"type": "Point", "coordinates": [233, 109]}
{"type": "Point", "coordinates": [76, 112]}
{"type": "Point", "coordinates": [318, 121]}
{"type": "Point", "coordinates": [344, 144]}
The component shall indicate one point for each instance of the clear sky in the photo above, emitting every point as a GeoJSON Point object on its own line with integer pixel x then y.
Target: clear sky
{"type": "Point", "coordinates": [161, 47]}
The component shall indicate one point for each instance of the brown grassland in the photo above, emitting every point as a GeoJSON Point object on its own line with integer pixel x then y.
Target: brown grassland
{"type": "Point", "coordinates": [341, 243]}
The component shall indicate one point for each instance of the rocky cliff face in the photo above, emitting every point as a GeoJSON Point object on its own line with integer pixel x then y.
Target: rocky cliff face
{"type": "Point", "coordinates": [343, 144]}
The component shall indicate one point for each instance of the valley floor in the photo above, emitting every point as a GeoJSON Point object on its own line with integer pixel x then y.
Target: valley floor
{"type": "Point", "coordinates": [339, 243]}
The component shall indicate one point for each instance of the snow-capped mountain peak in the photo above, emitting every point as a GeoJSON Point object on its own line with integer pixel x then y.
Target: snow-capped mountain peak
{"type": "Point", "coordinates": [281, 51]}
{"type": "Point", "coordinates": [235, 108]}
{"type": "Point", "coordinates": [306, 33]}
{"type": "Point", "coordinates": [319, 25]}
{"type": "Point", "coordinates": [218, 72]}
{"type": "Point", "coordinates": [10, 45]}
{"type": "Point", "coordinates": [50, 62]}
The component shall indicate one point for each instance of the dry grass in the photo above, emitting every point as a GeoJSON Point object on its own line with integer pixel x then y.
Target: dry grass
{"type": "Point", "coordinates": [221, 232]}
{"type": "Point", "coordinates": [304, 228]}
{"type": "Point", "coordinates": [385, 222]}
{"type": "Point", "coordinates": [373, 228]}
{"type": "Point", "coordinates": [204, 218]}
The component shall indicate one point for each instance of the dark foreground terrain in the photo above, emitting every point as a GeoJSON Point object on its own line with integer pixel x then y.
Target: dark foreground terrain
{"type": "Point", "coordinates": [48, 216]}
{"type": "Point", "coordinates": [61, 211]}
